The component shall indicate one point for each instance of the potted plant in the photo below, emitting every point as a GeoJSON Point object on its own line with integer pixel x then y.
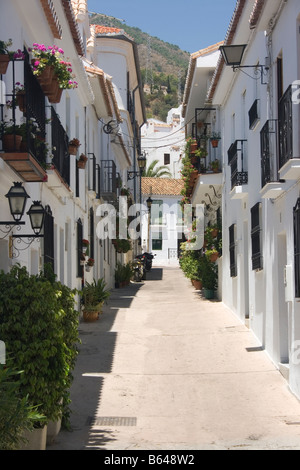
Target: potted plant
{"type": "Point", "coordinates": [74, 144]}
{"type": "Point", "coordinates": [20, 97]}
{"type": "Point", "coordinates": [82, 161]}
{"type": "Point", "coordinates": [35, 312]}
{"type": "Point", "coordinates": [93, 297]}
{"type": "Point", "coordinates": [210, 278]}
{"type": "Point", "coordinates": [52, 70]}
{"type": "Point", "coordinates": [12, 137]}
{"type": "Point", "coordinates": [16, 414]}
{"type": "Point", "coordinates": [201, 152]}
{"type": "Point", "coordinates": [123, 274]}
{"type": "Point", "coordinates": [191, 145]}
{"type": "Point", "coordinates": [90, 263]}
{"type": "Point", "coordinates": [4, 55]}
{"type": "Point", "coordinates": [122, 245]}
{"type": "Point", "coordinates": [212, 254]}
{"type": "Point", "coordinates": [214, 138]}
{"type": "Point", "coordinates": [85, 245]}
{"type": "Point", "coordinates": [215, 165]}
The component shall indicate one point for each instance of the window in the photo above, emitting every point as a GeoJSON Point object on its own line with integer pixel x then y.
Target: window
{"type": "Point", "coordinates": [157, 212]}
{"type": "Point", "coordinates": [232, 251]}
{"type": "Point", "coordinates": [297, 247]}
{"type": "Point", "coordinates": [256, 236]}
{"type": "Point", "coordinates": [157, 241]}
{"type": "Point", "coordinates": [167, 159]}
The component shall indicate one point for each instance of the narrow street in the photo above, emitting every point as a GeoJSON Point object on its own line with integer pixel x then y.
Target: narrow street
{"type": "Point", "coordinates": [164, 369]}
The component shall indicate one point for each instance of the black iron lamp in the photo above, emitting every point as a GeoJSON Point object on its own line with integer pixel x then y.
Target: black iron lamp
{"type": "Point", "coordinates": [17, 198]}
{"type": "Point", "coordinates": [142, 160]}
{"type": "Point", "coordinates": [233, 56]}
{"type": "Point", "coordinates": [149, 203]}
{"type": "Point", "coordinates": [37, 215]}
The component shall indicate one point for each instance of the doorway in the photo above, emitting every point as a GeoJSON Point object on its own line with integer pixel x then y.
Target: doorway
{"type": "Point", "coordinates": [283, 318]}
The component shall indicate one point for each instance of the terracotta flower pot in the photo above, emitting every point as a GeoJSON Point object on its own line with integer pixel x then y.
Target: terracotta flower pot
{"type": "Point", "coordinates": [20, 99]}
{"type": "Point", "coordinates": [4, 61]}
{"type": "Point", "coordinates": [214, 143]}
{"type": "Point", "coordinates": [73, 149]}
{"type": "Point", "coordinates": [213, 258]}
{"type": "Point", "coordinates": [11, 143]}
{"type": "Point", "coordinates": [90, 316]}
{"type": "Point", "coordinates": [197, 284]}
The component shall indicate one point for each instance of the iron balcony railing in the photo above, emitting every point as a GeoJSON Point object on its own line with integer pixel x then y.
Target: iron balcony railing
{"type": "Point", "coordinates": [60, 145]}
{"type": "Point", "coordinates": [236, 161]}
{"type": "Point", "coordinates": [268, 150]}
{"type": "Point", "coordinates": [107, 178]}
{"type": "Point", "coordinates": [285, 127]}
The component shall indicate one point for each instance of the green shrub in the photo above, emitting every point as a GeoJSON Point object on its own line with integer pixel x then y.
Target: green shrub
{"type": "Point", "coordinates": [39, 326]}
{"type": "Point", "coordinates": [16, 415]}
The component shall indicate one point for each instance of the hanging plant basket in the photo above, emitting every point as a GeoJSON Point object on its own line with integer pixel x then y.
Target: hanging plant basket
{"type": "Point", "coordinates": [214, 143]}
{"type": "Point", "coordinates": [4, 61]}
{"type": "Point", "coordinates": [20, 99]}
{"type": "Point", "coordinates": [82, 162]}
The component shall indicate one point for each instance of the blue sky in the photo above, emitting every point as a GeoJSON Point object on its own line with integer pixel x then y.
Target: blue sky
{"type": "Point", "coordinates": [189, 24]}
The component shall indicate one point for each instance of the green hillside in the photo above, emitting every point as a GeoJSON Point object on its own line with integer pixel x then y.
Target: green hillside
{"type": "Point", "coordinates": [164, 65]}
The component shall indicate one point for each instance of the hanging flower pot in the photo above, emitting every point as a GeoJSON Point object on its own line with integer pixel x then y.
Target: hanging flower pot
{"type": "Point", "coordinates": [74, 144]}
{"type": "Point", "coordinates": [82, 162]}
{"type": "Point", "coordinates": [4, 61]}
{"type": "Point", "coordinates": [85, 245]}
{"type": "Point", "coordinates": [20, 99]}
{"type": "Point", "coordinates": [214, 143]}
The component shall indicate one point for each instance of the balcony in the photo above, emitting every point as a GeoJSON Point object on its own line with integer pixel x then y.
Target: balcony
{"type": "Point", "coordinates": [272, 186]}
{"type": "Point", "coordinates": [107, 181]}
{"type": "Point", "coordinates": [27, 154]}
{"type": "Point", "coordinates": [239, 174]}
{"type": "Point", "coordinates": [289, 167]}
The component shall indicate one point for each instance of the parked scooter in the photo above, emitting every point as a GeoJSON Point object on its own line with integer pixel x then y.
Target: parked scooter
{"type": "Point", "coordinates": [138, 269]}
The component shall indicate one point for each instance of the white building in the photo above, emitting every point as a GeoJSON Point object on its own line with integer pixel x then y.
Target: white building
{"type": "Point", "coordinates": [164, 141]}
{"type": "Point", "coordinates": [260, 141]}
{"type": "Point", "coordinates": [162, 229]}
{"type": "Point", "coordinates": [99, 113]}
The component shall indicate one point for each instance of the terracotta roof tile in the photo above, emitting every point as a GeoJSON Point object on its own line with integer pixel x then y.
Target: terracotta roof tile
{"type": "Point", "coordinates": [110, 31]}
{"type": "Point", "coordinates": [162, 186]}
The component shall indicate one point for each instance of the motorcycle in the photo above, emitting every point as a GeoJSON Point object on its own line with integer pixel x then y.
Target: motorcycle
{"type": "Point", "coordinates": [148, 257]}
{"type": "Point", "coordinates": [147, 260]}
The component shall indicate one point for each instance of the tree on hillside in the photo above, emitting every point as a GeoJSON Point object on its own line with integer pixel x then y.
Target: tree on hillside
{"type": "Point", "coordinates": [158, 172]}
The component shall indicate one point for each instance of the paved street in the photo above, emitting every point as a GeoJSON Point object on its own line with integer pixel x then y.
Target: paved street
{"type": "Point", "coordinates": [165, 369]}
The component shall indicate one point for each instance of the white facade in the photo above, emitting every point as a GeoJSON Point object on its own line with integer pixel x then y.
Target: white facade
{"type": "Point", "coordinates": [163, 230]}
{"type": "Point", "coordinates": [96, 113]}
{"type": "Point", "coordinates": [260, 225]}
{"type": "Point", "coordinates": [164, 141]}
